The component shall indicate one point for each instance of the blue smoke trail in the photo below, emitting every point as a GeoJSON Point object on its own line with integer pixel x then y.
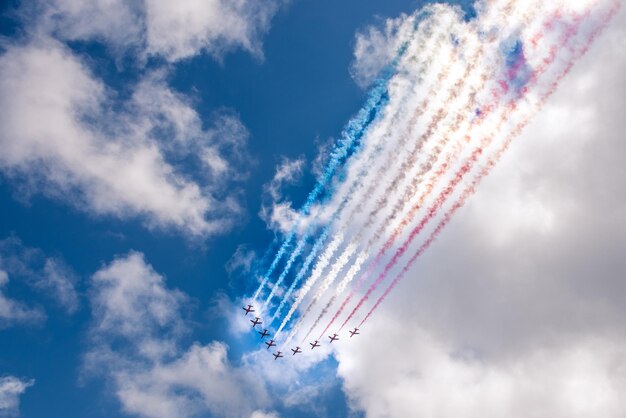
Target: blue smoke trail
{"type": "Point", "coordinates": [351, 134]}
{"type": "Point", "coordinates": [285, 271]}
{"type": "Point", "coordinates": [322, 238]}
{"type": "Point", "coordinates": [305, 268]}
{"type": "Point", "coordinates": [301, 243]}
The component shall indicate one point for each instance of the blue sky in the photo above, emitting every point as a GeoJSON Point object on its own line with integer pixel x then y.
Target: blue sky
{"type": "Point", "coordinates": [145, 155]}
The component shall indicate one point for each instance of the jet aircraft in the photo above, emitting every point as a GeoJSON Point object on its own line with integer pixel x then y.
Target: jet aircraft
{"type": "Point", "coordinates": [314, 344]}
{"type": "Point", "coordinates": [256, 321]}
{"type": "Point", "coordinates": [270, 343]}
{"type": "Point", "coordinates": [355, 332]}
{"type": "Point", "coordinates": [296, 351]}
{"type": "Point", "coordinates": [264, 334]}
{"type": "Point", "coordinates": [248, 309]}
{"type": "Point", "coordinates": [333, 337]}
{"type": "Point", "coordinates": [277, 355]}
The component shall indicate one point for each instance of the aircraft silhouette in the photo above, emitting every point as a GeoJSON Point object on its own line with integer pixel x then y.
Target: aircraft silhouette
{"type": "Point", "coordinates": [256, 321]}
{"type": "Point", "coordinates": [264, 334]}
{"type": "Point", "coordinates": [277, 355]}
{"type": "Point", "coordinates": [355, 332]}
{"type": "Point", "coordinates": [270, 343]}
{"type": "Point", "coordinates": [333, 337]}
{"type": "Point", "coordinates": [314, 344]}
{"type": "Point", "coordinates": [248, 309]}
{"type": "Point", "coordinates": [296, 351]}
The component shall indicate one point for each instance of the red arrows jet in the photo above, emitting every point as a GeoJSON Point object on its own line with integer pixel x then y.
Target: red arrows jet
{"type": "Point", "coordinates": [256, 321]}
{"type": "Point", "coordinates": [270, 343]}
{"type": "Point", "coordinates": [355, 332]}
{"type": "Point", "coordinates": [248, 309]}
{"type": "Point", "coordinates": [296, 351]}
{"type": "Point", "coordinates": [277, 355]}
{"type": "Point", "coordinates": [333, 337]}
{"type": "Point", "coordinates": [314, 344]}
{"type": "Point", "coordinates": [264, 334]}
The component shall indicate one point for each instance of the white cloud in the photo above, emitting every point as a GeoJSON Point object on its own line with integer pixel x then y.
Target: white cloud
{"type": "Point", "coordinates": [11, 388]}
{"type": "Point", "coordinates": [375, 47]}
{"type": "Point", "coordinates": [517, 309]}
{"type": "Point", "coordinates": [63, 136]}
{"type": "Point", "coordinates": [241, 260]}
{"type": "Point", "coordinates": [261, 414]}
{"type": "Point", "coordinates": [58, 280]}
{"type": "Point", "coordinates": [418, 375]}
{"type": "Point", "coordinates": [13, 312]}
{"type": "Point", "coordinates": [136, 335]}
{"type": "Point", "coordinates": [172, 30]}
{"type": "Point", "coordinates": [278, 213]}
{"type": "Point", "coordinates": [48, 275]}
{"type": "Point", "coordinates": [287, 172]}
{"type": "Point", "coordinates": [182, 29]}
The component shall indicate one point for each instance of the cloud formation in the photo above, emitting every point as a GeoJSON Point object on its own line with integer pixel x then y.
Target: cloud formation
{"type": "Point", "coordinates": [172, 30]}
{"type": "Point", "coordinates": [514, 311]}
{"type": "Point", "coordinates": [11, 388]}
{"type": "Point", "coordinates": [137, 338]}
{"type": "Point", "coordinates": [375, 47]}
{"type": "Point", "coordinates": [277, 212]}
{"type": "Point", "coordinates": [65, 136]}
{"type": "Point", "coordinates": [13, 312]}
{"type": "Point", "coordinates": [48, 275]}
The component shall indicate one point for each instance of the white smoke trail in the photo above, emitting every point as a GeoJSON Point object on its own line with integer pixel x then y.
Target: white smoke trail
{"type": "Point", "coordinates": [445, 64]}
{"type": "Point", "coordinates": [432, 46]}
{"type": "Point", "coordinates": [416, 179]}
{"type": "Point", "coordinates": [317, 273]}
{"type": "Point", "coordinates": [350, 249]}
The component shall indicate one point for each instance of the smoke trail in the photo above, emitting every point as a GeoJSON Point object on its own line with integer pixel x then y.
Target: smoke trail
{"type": "Point", "coordinates": [409, 161]}
{"type": "Point", "coordinates": [352, 246]}
{"type": "Point", "coordinates": [337, 267]}
{"type": "Point", "coordinates": [410, 190]}
{"type": "Point", "coordinates": [350, 136]}
{"type": "Point", "coordinates": [284, 273]}
{"type": "Point", "coordinates": [467, 166]}
{"type": "Point", "coordinates": [354, 269]}
{"type": "Point", "coordinates": [357, 183]}
{"type": "Point", "coordinates": [491, 162]}
{"type": "Point", "coordinates": [425, 167]}
{"type": "Point", "coordinates": [354, 188]}
{"type": "Point", "coordinates": [405, 222]}
{"type": "Point", "coordinates": [317, 272]}
{"type": "Point", "coordinates": [319, 243]}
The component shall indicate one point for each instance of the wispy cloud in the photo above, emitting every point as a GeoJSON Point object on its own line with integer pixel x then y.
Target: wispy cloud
{"type": "Point", "coordinates": [137, 345]}
{"type": "Point", "coordinates": [515, 311]}
{"type": "Point", "coordinates": [13, 312]}
{"type": "Point", "coordinates": [49, 276]}
{"type": "Point", "coordinates": [161, 28]}
{"type": "Point", "coordinates": [11, 388]}
{"type": "Point", "coordinates": [65, 136]}
{"type": "Point", "coordinates": [276, 211]}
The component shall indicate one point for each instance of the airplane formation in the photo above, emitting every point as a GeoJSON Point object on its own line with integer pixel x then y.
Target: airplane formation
{"type": "Point", "coordinates": [271, 343]}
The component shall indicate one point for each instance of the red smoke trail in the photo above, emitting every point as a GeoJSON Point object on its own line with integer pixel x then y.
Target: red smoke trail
{"type": "Point", "coordinates": [485, 111]}
{"type": "Point", "coordinates": [448, 160]}
{"type": "Point", "coordinates": [432, 210]}
{"type": "Point", "coordinates": [437, 118]}
{"type": "Point", "coordinates": [469, 190]}
{"type": "Point", "coordinates": [442, 75]}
